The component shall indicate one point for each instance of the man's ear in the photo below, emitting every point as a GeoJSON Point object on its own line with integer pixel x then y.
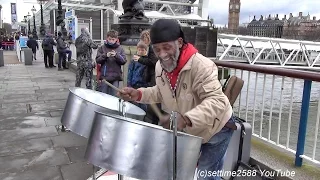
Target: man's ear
{"type": "Point", "coordinates": [180, 41]}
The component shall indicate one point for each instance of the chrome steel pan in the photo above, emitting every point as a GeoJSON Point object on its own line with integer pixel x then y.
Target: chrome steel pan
{"type": "Point", "coordinates": [140, 150]}
{"type": "Point", "coordinates": [82, 103]}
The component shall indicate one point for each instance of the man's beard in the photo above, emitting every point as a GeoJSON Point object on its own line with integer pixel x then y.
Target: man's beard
{"type": "Point", "coordinates": [174, 59]}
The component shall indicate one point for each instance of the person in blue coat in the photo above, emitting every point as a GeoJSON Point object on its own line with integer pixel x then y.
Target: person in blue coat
{"type": "Point", "coordinates": [136, 71]}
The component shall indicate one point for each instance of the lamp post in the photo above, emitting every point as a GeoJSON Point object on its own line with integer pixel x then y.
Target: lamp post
{"type": "Point", "coordinates": [0, 16]}
{"type": "Point", "coordinates": [60, 20]}
{"type": "Point", "coordinates": [29, 27]}
{"type": "Point", "coordinates": [25, 19]}
{"type": "Point", "coordinates": [34, 32]}
{"type": "Point", "coordinates": [42, 26]}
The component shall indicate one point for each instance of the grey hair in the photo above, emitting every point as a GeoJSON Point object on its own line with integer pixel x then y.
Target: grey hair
{"type": "Point", "coordinates": [85, 32]}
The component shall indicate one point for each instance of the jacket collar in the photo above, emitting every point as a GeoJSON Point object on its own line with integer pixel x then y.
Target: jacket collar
{"type": "Point", "coordinates": [188, 65]}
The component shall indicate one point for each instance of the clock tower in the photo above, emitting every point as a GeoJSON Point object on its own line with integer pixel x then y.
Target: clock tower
{"type": "Point", "coordinates": [234, 16]}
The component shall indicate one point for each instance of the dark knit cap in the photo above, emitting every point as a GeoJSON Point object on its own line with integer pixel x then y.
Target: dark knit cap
{"type": "Point", "coordinates": [165, 30]}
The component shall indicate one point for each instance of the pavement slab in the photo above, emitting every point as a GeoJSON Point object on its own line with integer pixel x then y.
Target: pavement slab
{"type": "Point", "coordinates": [27, 133]}
{"type": "Point", "coordinates": [54, 121]}
{"type": "Point", "coordinates": [76, 154]}
{"type": "Point", "coordinates": [68, 139]}
{"type": "Point", "coordinates": [77, 171]}
{"type": "Point", "coordinates": [25, 146]}
{"type": "Point", "coordinates": [44, 173]}
{"type": "Point", "coordinates": [49, 157]}
{"type": "Point", "coordinates": [19, 124]}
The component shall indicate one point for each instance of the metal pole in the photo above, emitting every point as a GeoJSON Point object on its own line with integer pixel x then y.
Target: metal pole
{"type": "Point", "coordinates": [108, 20]}
{"type": "Point", "coordinates": [175, 134]}
{"type": "Point", "coordinates": [42, 26]}
{"type": "Point", "coordinates": [29, 26]}
{"type": "Point", "coordinates": [303, 122]}
{"type": "Point", "coordinates": [101, 21]}
{"type": "Point", "coordinates": [94, 173]}
{"type": "Point", "coordinates": [54, 21]}
{"type": "Point", "coordinates": [91, 27]}
{"type": "Point", "coordinates": [34, 22]}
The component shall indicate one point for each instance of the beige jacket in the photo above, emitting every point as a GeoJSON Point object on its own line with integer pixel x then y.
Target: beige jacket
{"type": "Point", "coordinates": [198, 96]}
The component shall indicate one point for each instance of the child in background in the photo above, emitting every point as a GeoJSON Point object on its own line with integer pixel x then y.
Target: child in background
{"type": "Point", "coordinates": [111, 57]}
{"type": "Point", "coordinates": [136, 71]}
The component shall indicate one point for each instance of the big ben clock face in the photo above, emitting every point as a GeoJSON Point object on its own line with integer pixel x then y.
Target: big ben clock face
{"type": "Point", "coordinates": [237, 6]}
{"type": "Point", "coordinates": [230, 6]}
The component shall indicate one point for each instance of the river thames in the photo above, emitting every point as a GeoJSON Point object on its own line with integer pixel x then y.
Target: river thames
{"type": "Point", "coordinates": [261, 110]}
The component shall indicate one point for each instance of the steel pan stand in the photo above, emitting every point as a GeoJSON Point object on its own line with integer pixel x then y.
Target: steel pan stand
{"type": "Point", "coordinates": [173, 122]}
{"type": "Point", "coordinates": [94, 173]}
{"type": "Point", "coordinates": [121, 113]}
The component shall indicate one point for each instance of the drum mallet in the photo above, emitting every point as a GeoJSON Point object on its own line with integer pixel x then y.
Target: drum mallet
{"type": "Point", "coordinates": [153, 106]}
{"type": "Point", "coordinates": [112, 86]}
{"type": "Point", "coordinates": [156, 110]}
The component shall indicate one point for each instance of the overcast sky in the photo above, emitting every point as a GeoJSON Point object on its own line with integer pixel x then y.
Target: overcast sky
{"type": "Point", "coordinates": [218, 9]}
{"type": "Point", "coordinates": [23, 7]}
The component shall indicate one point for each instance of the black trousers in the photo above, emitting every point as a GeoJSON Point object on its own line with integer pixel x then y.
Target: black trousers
{"type": "Point", "coordinates": [48, 54]}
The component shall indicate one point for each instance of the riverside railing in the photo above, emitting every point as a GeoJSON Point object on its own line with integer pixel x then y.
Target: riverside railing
{"type": "Point", "coordinates": [280, 122]}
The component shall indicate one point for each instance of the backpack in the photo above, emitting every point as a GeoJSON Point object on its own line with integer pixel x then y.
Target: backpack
{"type": "Point", "coordinates": [232, 88]}
{"type": "Point", "coordinates": [45, 42]}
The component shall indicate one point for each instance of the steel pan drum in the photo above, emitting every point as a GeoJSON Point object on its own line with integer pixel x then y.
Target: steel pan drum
{"type": "Point", "coordinates": [140, 150]}
{"type": "Point", "coordinates": [82, 103]}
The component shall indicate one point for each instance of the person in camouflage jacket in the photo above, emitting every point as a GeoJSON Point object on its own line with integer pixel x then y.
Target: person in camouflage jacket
{"type": "Point", "coordinates": [85, 63]}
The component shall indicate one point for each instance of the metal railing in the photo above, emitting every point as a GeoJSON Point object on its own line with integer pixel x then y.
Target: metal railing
{"type": "Point", "coordinates": [281, 105]}
{"type": "Point", "coordinates": [263, 50]}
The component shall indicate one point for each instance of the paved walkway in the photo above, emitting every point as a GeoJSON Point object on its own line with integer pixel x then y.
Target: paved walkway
{"type": "Point", "coordinates": [32, 99]}
{"type": "Point", "coordinates": [10, 57]}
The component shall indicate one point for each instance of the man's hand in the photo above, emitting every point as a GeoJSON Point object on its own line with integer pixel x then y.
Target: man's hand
{"type": "Point", "coordinates": [182, 122]}
{"type": "Point", "coordinates": [129, 94]}
{"type": "Point", "coordinates": [108, 54]}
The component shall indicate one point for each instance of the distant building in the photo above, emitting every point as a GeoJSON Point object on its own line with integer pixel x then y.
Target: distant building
{"type": "Point", "coordinates": [299, 28]}
{"type": "Point", "coordinates": [270, 27]}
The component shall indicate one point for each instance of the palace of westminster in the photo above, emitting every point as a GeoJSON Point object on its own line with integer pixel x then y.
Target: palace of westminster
{"type": "Point", "coordinates": [299, 27]}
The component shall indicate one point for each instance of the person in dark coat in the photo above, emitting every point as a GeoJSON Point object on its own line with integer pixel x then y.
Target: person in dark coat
{"type": "Point", "coordinates": [111, 57]}
{"type": "Point", "coordinates": [63, 51]}
{"type": "Point", "coordinates": [149, 60]}
{"type": "Point", "coordinates": [33, 44]}
{"type": "Point", "coordinates": [48, 52]}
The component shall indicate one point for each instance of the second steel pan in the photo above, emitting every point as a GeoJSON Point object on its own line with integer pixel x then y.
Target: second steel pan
{"type": "Point", "coordinates": [140, 150]}
{"type": "Point", "coordinates": [78, 114]}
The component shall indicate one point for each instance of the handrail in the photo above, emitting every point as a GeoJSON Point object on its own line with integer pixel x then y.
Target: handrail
{"type": "Point", "coordinates": [307, 75]}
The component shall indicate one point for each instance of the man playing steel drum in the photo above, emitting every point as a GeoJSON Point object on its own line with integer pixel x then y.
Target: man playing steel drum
{"type": "Point", "coordinates": [187, 82]}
